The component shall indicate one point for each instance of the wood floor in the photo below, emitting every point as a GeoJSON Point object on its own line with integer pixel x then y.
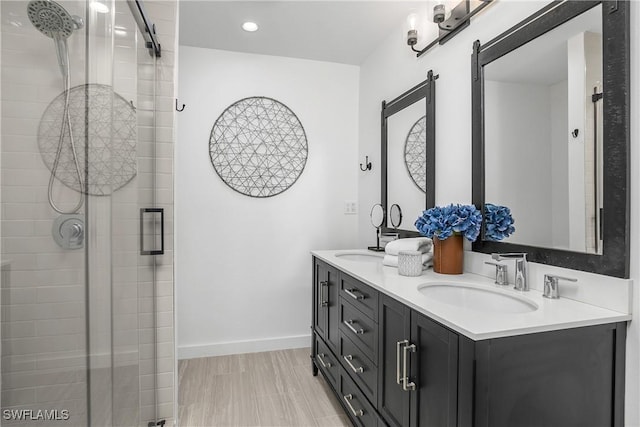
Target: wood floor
{"type": "Point", "coordinates": [258, 389]}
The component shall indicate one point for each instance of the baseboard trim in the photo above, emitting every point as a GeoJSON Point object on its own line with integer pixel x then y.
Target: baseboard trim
{"type": "Point", "coordinates": [239, 347]}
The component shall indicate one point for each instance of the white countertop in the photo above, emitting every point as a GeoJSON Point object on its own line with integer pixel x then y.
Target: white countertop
{"type": "Point", "coordinates": [478, 325]}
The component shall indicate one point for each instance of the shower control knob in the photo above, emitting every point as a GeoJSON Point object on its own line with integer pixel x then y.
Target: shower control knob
{"type": "Point", "coordinates": [68, 231]}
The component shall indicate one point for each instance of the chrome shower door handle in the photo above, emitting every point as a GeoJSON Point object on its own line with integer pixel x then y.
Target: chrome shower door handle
{"type": "Point", "coordinates": [143, 212]}
{"type": "Point", "coordinates": [406, 385]}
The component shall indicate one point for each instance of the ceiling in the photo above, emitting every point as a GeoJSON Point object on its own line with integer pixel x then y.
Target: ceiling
{"type": "Point", "coordinates": [334, 31]}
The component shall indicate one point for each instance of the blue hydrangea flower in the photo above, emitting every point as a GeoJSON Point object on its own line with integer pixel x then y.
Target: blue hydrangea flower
{"type": "Point", "coordinates": [498, 222]}
{"type": "Point", "coordinates": [443, 222]}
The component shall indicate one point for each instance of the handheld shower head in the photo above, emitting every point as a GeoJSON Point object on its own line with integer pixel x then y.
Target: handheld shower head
{"type": "Point", "coordinates": [51, 19]}
{"type": "Point", "coordinates": [55, 22]}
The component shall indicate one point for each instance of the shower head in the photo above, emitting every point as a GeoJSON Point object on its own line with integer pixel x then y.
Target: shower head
{"type": "Point", "coordinates": [52, 20]}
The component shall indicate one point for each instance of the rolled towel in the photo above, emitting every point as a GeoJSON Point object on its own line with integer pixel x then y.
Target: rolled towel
{"type": "Point", "coordinates": [392, 260]}
{"type": "Point", "coordinates": [421, 244]}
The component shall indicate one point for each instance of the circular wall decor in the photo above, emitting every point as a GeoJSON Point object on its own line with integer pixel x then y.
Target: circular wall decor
{"type": "Point", "coordinates": [415, 153]}
{"type": "Point", "coordinates": [111, 136]}
{"type": "Point", "coordinates": [258, 147]}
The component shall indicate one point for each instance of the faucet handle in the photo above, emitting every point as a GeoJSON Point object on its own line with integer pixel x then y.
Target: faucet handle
{"type": "Point", "coordinates": [551, 290]}
{"type": "Point", "coordinates": [501, 273]}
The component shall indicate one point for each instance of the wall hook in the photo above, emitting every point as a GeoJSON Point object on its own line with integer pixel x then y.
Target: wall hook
{"type": "Point", "coordinates": [367, 163]}
{"type": "Point", "coordinates": [575, 133]}
{"type": "Point", "coordinates": [179, 109]}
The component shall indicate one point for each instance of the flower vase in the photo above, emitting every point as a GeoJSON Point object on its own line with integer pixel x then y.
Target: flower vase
{"type": "Point", "coordinates": [448, 255]}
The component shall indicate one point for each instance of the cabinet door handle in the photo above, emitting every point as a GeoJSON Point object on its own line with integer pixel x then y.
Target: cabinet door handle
{"type": "Point", "coordinates": [348, 358]}
{"type": "Point", "coordinates": [323, 302]}
{"type": "Point", "coordinates": [348, 398]}
{"type": "Point", "coordinates": [324, 364]}
{"type": "Point", "coordinates": [351, 293]}
{"type": "Point", "coordinates": [350, 324]}
{"type": "Point", "coordinates": [406, 385]}
{"type": "Point", "coordinates": [399, 344]}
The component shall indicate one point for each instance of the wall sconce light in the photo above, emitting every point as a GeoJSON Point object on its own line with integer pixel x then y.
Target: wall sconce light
{"type": "Point", "coordinates": [450, 21]}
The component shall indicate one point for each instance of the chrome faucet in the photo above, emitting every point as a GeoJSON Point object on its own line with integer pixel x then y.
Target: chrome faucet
{"type": "Point", "coordinates": [522, 272]}
{"type": "Point", "coordinates": [551, 285]}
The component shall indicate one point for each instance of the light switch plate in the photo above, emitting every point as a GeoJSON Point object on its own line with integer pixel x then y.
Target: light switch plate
{"type": "Point", "coordinates": [350, 207]}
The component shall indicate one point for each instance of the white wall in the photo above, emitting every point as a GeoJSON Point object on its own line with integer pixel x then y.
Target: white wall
{"type": "Point", "coordinates": [559, 159]}
{"type": "Point", "coordinates": [523, 185]}
{"type": "Point", "coordinates": [392, 69]}
{"type": "Point", "coordinates": [243, 274]}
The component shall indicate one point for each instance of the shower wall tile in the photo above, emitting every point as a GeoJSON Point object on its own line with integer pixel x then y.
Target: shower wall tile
{"type": "Point", "coordinates": [43, 309]}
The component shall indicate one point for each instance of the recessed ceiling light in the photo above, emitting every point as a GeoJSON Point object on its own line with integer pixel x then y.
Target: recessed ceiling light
{"type": "Point", "coordinates": [99, 7]}
{"type": "Point", "coordinates": [250, 26]}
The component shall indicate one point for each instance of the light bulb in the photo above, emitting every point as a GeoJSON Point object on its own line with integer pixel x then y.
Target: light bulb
{"type": "Point", "coordinates": [412, 22]}
{"type": "Point", "coordinates": [250, 26]}
{"type": "Point", "coordinates": [412, 29]}
{"type": "Point", "coordinates": [439, 12]}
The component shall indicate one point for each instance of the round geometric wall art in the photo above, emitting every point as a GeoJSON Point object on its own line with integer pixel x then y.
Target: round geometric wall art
{"type": "Point", "coordinates": [103, 119]}
{"type": "Point", "coordinates": [258, 147]}
{"type": "Point", "coordinates": [415, 153]}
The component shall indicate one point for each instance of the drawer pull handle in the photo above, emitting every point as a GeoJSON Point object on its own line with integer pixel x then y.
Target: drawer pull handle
{"type": "Point", "coordinates": [348, 398]}
{"type": "Point", "coordinates": [406, 385]}
{"type": "Point", "coordinates": [351, 293]}
{"type": "Point", "coordinates": [350, 324]}
{"type": "Point", "coordinates": [399, 344]}
{"type": "Point", "coordinates": [348, 358]}
{"type": "Point", "coordinates": [321, 359]}
{"type": "Point", "coordinates": [323, 284]}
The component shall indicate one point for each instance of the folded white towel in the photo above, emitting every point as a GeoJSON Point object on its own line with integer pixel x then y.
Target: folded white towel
{"type": "Point", "coordinates": [421, 244]}
{"type": "Point", "coordinates": [392, 260]}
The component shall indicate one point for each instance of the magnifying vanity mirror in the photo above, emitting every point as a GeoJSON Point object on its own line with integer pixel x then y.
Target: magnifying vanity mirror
{"type": "Point", "coordinates": [551, 132]}
{"type": "Point", "coordinates": [395, 216]}
{"type": "Point", "coordinates": [408, 157]}
{"type": "Point", "coordinates": [378, 218]}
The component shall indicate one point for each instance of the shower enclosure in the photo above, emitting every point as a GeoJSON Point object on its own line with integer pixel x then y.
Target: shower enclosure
{"type": "Point", "coordinates": [86, 199]}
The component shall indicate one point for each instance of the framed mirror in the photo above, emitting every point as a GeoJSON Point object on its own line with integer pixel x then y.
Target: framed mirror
{"type": "Point", "coordinates": [408, 155]}
{"type": "Point", "coordinates": [551, 136]}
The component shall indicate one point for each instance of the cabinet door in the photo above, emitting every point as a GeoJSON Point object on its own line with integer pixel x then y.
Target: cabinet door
{"type": "Point", "coordinates": [434, 371]}
{"type": "Point", "coordinates": [320, 298]}
{"type": "Point", "coordinates": [563, 378]}
{"type": "Point", "coordinates": [333, 309]}
{"type": "Point", "coordinates": [394, 328]}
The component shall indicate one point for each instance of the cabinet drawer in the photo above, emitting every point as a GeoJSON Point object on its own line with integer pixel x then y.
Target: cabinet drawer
{"type": "Point", "coordinates": [358, 408]}
{"type": "Point", "coordinates": [361, 329]}
{"type": "Point", "coordinates": [326, 362]}
{"type": "Point", "coordinates": [362, 296]}
{"type": "Point", "coordinates": [362, 370]}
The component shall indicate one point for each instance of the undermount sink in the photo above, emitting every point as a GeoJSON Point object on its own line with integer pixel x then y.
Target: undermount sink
{"type": "Point", "coordinates": [472, 297]}
{"type": "Point", "coordinates": [360, 256]}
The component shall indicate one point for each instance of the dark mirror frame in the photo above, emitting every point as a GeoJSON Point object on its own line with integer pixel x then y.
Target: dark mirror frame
{"type": "Point", "coordinates": [614, 260]}
{"type": "Point", "coordinates": [425, 90]}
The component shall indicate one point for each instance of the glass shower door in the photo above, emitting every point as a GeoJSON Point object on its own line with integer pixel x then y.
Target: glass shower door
{"type": "Point", "coordinates": [80, 246]}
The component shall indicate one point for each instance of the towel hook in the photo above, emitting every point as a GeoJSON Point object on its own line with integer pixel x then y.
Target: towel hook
{"type": "Point", "coordinates": [179, 109]}
{"type": "Point", "coordinates": [367, 163]}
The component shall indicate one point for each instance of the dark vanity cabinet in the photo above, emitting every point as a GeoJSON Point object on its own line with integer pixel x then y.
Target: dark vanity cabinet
{"type": "Point", "coordinates": [418, 369]}
{"type": "Point", "coordinates": [393, 366]}
{"type": "Point", "coordinates": [326, 303]}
